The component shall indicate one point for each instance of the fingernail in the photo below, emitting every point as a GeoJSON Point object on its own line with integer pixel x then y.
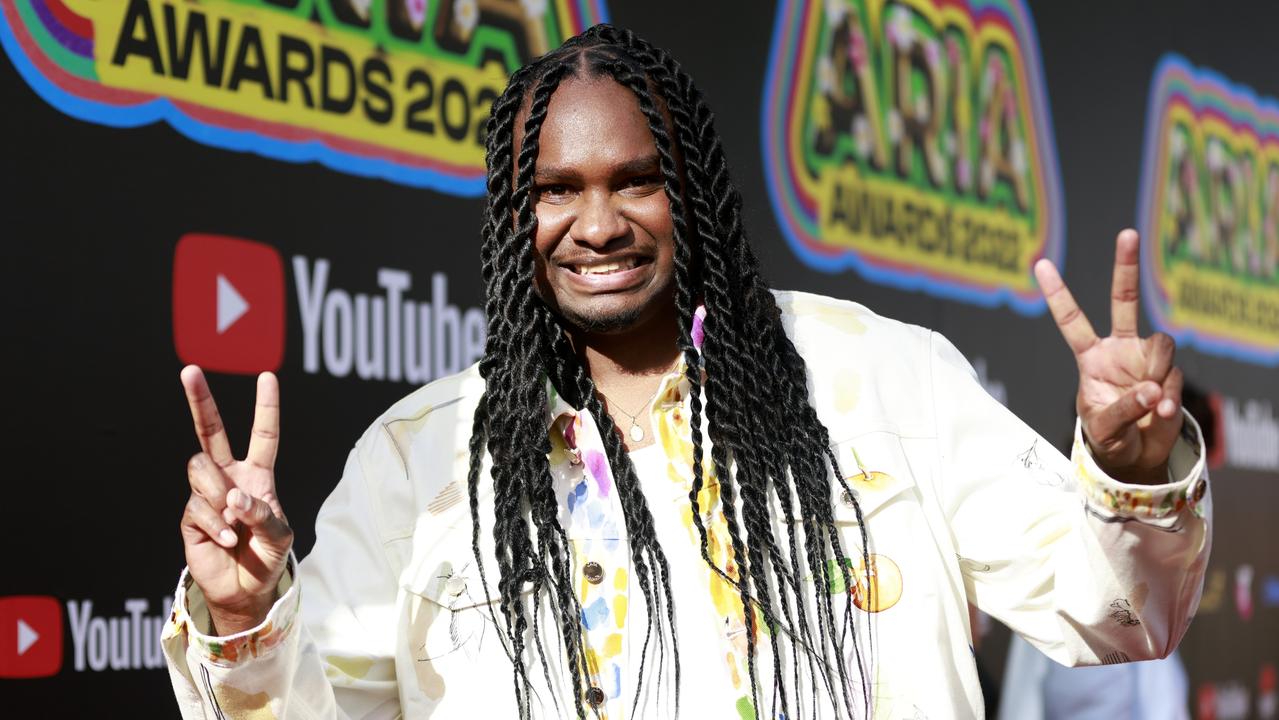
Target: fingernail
{"type": "Point", "coordinates": [1167, 408]}
{"type": "Point", "coordinates": [1146, 398]}
{"type": "Point", "coordinates": [228, 537]}
{"type": "Point", "coordinates": [243, 501]}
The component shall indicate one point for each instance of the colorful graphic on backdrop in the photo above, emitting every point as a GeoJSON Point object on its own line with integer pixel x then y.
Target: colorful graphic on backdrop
{"type": "Point", "coordinates": [395, 89]}
{"type": "Point", "coordinates": [911, 141]}
{"type": "Point", "coordinates": [1209, 208]}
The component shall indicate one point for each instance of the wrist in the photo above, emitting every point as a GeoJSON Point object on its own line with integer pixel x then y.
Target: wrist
{"type": "Point", "coordinates": [233, 618]}
{"type": "Point", "coordinates": [1138, 476]}
{"type": "Point", "coordinates": [1129, 474]}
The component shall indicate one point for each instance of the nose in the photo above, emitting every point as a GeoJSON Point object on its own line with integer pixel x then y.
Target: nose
{"type": "Point", "coordinates": [599, 222]}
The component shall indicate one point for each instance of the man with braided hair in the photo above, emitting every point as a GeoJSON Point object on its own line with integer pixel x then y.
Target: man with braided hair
{"type": "Point", "coordinates": [666, 487]}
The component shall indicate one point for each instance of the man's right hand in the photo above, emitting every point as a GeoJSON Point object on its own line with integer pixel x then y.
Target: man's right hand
{"type": "Point", "coordinates": [236, 537]}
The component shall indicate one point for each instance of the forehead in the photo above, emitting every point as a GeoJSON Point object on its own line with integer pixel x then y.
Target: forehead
{"type": "Point", "coordinates": [592, 123]}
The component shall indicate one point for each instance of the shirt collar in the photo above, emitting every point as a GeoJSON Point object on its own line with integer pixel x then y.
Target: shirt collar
{"type": "Point", "coordinates": [671, 392]}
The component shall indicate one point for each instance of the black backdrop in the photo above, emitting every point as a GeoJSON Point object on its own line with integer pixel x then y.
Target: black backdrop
{"type": "Point", "coordinates": [95, 426]}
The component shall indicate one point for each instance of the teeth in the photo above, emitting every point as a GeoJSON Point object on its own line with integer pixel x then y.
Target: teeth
{"type": "Point", "coordinates": [605, 268]}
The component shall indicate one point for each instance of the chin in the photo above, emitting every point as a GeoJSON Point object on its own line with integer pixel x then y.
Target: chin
{"type": "Point", "coordinates": [601, 321]}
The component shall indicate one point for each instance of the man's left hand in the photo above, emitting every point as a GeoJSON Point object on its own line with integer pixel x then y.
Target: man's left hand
{"type": "Point", "coordinates": [1129, 391]}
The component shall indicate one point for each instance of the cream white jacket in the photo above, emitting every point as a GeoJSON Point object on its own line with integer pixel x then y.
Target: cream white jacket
{"type": "Point", "coordinates": [963, 504]}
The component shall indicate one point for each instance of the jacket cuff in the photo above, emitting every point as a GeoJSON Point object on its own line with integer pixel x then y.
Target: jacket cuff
{"type": "Point", "coordinates": [190, 616]}
{"type": "Point", "coordinates": [1186, 488]}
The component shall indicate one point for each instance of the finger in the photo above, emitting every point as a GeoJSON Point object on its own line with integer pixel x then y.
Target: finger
{"type": "Point", "coordinates": [1169, 407]}
{"type": "Point", "coordinates": [265, 439]}
{"type": "Point", "coordinates": [1074, 326]}
{"type": "Point", "coordinates": [1108, 424]}
{"type": "Point", "coordinates": [201, 521]}
{"type": "Point", "coordinates": [258, 517]}
{"type": "Point", "coordinates": [208, 481]}
{"type": "Point", "coordinates": [208, 422]}
{"type": "Point", "coordinates": [1160, 351]}
{"type": "Point", "coordinates": [1124, 291]}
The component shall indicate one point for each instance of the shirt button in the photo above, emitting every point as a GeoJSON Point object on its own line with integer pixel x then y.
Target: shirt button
{"type": "Point", "coordinates": [594, 573]}
{"type": "Point", "coordinates": [595, 697]}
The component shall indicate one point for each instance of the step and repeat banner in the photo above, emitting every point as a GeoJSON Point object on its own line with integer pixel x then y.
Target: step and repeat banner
{"type": "Point", "coordinates": [295, 185]}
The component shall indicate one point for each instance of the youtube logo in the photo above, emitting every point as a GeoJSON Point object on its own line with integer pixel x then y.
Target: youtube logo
{"type": "Point", "coordinates": [228, 304]}
{"type": "Point", "coordinates": [30, 636]}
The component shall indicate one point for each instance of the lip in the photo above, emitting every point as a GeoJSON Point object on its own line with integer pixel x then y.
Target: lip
{"type": "Point", "coordinates": [620, 281]}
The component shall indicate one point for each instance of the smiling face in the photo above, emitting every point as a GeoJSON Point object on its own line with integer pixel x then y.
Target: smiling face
{"type": "Point", "coordinates": [604, 257]}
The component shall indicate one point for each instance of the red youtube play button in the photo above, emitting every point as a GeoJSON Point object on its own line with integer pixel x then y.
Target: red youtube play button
{"type": "Point", "coordinates": [30, 636]}
{"type": "Point", "coordinates": [228, 304]}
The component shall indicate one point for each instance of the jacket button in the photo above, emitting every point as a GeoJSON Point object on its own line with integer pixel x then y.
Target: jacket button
{"type": "Point", "coordinates": [594, 573]}
{"type": "Point", "coordinates": [595, 697]}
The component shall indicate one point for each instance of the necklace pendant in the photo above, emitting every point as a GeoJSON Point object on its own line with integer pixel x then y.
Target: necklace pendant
{"type": "Point", "coordinates": [637, 433]}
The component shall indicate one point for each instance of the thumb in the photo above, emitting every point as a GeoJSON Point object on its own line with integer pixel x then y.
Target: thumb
{"type": "Point", "coordinates": [1108, 425]}
{"type": "Point", "coordinates": [260, 519]}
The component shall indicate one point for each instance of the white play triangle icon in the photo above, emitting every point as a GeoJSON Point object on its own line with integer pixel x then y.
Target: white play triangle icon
{"type": "Point", "coordinates": [231, 305]}
{"type": "Point", "coordinates": [26, 637]}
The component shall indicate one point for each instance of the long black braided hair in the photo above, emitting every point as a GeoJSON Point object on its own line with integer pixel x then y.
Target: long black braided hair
{"type": "Point", "coordinates": [753, 381]}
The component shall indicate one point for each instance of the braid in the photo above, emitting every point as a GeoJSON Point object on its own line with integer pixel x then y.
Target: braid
{"type": "Point", "coordinates": [747, 380]}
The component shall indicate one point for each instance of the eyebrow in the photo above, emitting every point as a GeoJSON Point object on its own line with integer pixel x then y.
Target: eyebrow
{"type": "Point", "coordinates": [647, 163]}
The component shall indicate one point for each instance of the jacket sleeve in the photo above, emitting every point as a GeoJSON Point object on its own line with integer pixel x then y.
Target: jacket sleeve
{"type": "Point", "coordinates": [327, 647]}
{"type": "Point", "coordinates": [1088, 569]}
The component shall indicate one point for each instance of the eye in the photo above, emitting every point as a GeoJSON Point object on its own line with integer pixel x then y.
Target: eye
{"type": "Point", "coordinates": [553, 192]}
{"type": "Point", "coordinates": [643, 184]}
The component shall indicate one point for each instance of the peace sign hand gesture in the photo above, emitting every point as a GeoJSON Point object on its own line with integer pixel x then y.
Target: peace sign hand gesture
{"type": "Point", "coordinates": [236, 537]}
{"type": "Point", "coordinates": [1129, 391]}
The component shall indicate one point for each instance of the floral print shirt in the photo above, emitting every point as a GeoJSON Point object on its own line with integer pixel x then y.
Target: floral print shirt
{"type": "Point", "coordinates": [963, 504]}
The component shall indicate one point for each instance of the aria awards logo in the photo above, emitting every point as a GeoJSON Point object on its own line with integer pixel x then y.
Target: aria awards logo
{"type": "Point", "coordinates": [395, 89]}
{"type": "Point", "coordinates": [1209, 208]}
{"type": "Point", "coordinates": [910, 140]}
